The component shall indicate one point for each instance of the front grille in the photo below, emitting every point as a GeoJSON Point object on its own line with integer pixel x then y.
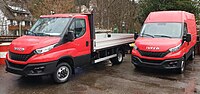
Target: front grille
{"type": "Point", "coordinates": [20, 66]}
{"type": "Point", "coordinates": [153, 54]}
{"type": "Point", "coordinates": [20, 57]}
{"type": "Point", "coordinates": [151, 61]}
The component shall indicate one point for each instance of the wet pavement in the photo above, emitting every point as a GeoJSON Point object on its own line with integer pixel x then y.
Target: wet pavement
{"type": "Point", "coordinates": [102, 79]}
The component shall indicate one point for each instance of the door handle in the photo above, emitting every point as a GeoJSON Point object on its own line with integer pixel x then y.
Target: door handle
{"type": "Point", "coordinates": [87, 43]}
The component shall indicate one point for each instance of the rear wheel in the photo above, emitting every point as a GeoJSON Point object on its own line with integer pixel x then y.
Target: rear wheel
{"type": "Point", "coordinates": [118, 59]}
{"type": "Point", "coordinates": [182, 68]}
{"type": "Point", "coordinates": [63, 73]}
{"type": "Point", "coordinates": [192, 56]}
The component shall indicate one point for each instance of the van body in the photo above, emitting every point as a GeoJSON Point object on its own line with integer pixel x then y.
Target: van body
{"type": "Point", "coordinates": [166, 41]}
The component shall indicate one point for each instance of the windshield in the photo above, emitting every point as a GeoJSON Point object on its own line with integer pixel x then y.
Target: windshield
{"type": "Point", "coordinates": [167, 30]}
{"type": "Point", "coordinates": [49, 26]}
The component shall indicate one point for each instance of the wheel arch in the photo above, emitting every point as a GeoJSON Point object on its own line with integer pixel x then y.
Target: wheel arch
{"type": "Point", "coordinates": [121, 48]}
{"type": "Point", "coordinates": [69, 60]}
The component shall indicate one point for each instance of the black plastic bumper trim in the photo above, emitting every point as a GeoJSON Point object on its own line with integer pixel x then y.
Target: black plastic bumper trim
{"type": "Point", "coordinates": [49, 68]}
{"type": "Point", "coordinates": [162, 65]}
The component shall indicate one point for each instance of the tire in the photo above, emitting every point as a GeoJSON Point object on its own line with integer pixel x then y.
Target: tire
{"type": "Point", "coordinates": [182, 68]}
{"type": "Point", "coordinates": [118, 59]}
{"type": "Point", "coordinates": [192, 56]}
{"type": "Point", "coordinates": [63, 73]}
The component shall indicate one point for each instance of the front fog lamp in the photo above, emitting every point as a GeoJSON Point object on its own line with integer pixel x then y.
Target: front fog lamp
{"type": "Point", "coordinates": [36, 70]}
{"type": "Point", "coordinates": [175, 48]}
{"type": "Point", "coordinates": [45, 49]}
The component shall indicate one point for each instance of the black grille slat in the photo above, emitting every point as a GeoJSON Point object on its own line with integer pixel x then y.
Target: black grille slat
{"type": "Point", "coordinates": [153, 54]}
{"type": "Point", "coordinates": [16, 65]}
{"type": "Point", "coordinates": [20, 57]}
{"type": "Point", "coordinates": [151, 61]}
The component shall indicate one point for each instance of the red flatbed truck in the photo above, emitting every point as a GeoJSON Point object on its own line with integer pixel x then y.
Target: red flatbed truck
{"type": "Point", "coordinates": [59, 43]}
{"type": "Point", "coordinates": [166, 41]}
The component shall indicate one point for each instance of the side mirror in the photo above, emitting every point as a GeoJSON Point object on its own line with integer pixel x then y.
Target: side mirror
{"type": "Point", "coordinates": [70, 36]}
{"type": "Point", "coordinates": [198, 38]}
{"type": "Point", "coordinates": [187, 37]}
{"type": "Point", "coordinates": [136, 35]}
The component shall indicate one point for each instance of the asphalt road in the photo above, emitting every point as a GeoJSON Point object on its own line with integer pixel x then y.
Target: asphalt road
{"type": "Point", "coordinates": [103, 79]}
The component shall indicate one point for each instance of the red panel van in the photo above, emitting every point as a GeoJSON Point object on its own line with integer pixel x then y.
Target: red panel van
{"type": "Point", "coordinates": [166, 41]}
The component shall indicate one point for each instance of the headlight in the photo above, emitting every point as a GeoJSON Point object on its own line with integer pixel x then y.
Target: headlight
{"type": "Point", "coordinates": [175, 48]}
{"type": "Point", "coordinates": [45, 49]}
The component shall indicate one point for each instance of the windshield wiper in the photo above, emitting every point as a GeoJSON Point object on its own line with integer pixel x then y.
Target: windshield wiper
{"type": "Point", "coordinates": [42, 34]}
{"type": "Point", "coordinates": [148, 35]}
{"type": "Point", "coordinates": [163, 36]}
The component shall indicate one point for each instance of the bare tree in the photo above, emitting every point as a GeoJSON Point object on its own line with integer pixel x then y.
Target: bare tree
{"type": "Point", "coordinates": [109, 14]}
{"type": "Point", "coordinates": [117, 13]}
{"type": "Point", "coordinates": [41, 7]}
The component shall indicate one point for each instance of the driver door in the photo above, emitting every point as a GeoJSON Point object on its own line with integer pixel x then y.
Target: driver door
{"type": "Point", "coordinates": [81, 42]}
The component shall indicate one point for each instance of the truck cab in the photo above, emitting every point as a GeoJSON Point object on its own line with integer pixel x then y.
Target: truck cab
{"type": "Point", "coordinates": [167, 39]}
{"type": "Point", "coordinates": [52, 40]}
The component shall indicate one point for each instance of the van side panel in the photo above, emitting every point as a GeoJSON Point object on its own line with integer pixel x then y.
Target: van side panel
{"type": "Point", "coordinates": [192, 30]}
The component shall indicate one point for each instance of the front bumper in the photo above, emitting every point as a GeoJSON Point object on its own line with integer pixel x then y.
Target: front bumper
{"type": "Point", "coordinates": [31, 69]}
{"type": "Point", "coordinates": [158, 64]}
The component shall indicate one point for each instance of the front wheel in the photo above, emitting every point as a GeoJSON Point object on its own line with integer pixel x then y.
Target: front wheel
{"type": "Point", "coordinates": [182, 68]}
{"type": "Point", "coordinates": [63, 73]}
{"type": "Point", "coordinates": [118, 59]}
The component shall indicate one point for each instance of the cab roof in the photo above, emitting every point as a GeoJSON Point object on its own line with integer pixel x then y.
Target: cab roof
{"type": "Point", "coordinates": [71, 15]}
{"type": "Point", "coordinates": [169, 16]}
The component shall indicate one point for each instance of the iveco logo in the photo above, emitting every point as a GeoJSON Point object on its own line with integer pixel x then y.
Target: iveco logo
{"type": "Point", "coordinates": [152, 48]}
{"type": "Point", "coordinates": [19, 49]}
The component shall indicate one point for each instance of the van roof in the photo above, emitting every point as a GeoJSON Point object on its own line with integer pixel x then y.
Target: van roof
{"type": "Point", "coordinates": [169, 16]}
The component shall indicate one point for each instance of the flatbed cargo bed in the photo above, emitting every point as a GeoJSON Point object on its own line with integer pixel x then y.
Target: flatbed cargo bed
{"type": "Point", "coordinates": [106, 40]}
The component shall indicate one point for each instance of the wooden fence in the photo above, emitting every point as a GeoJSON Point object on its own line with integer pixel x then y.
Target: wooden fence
{"type": "Point", "coordinates": [7, 38]}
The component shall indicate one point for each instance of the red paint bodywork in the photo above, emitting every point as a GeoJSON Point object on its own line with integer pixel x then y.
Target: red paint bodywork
{"type": "Point", "coordinates": [31, 43]}
{"type": "Point", "coordinates": [166, 43]}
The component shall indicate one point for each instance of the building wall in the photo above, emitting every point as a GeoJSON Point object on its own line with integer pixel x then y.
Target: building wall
{"type": "Point", "coordinates": [3, 24]}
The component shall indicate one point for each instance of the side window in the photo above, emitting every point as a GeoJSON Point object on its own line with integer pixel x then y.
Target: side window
{"type": "Point", "coordinates": [185, 29]}
{"type": "Point", "coordinates": [79, 27]}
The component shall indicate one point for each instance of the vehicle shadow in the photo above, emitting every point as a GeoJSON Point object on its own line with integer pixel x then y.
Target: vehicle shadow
{"type": "Point", "coordinates": [29, 82]}
{"type": "Point", "coordinates": [171, 75]}
{"type": "Point", "coordinates": [48, 80]}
